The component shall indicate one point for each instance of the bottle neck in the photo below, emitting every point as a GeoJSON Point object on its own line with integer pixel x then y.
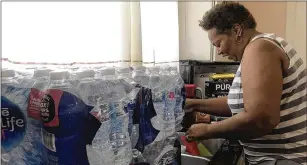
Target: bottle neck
{"type": "Point", "coordinates": [60, 83]}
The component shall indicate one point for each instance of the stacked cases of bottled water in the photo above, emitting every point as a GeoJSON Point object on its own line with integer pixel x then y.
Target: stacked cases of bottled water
{"type": "Point", "coordinates": [161, 113]}
{"type": "Point", "coordinates": [86, 115]}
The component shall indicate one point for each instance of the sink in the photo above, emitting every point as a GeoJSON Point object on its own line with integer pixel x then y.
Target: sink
{"type": "Point", "coordinates": [211, 144]}
{"type": "Point", "coordinates": [193, 160]}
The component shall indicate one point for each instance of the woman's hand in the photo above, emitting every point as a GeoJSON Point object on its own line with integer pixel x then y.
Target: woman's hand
{"type": "Point", "coordinates": [214, 106]}
{"type": "Point", "coordinates": [190, 105]}
{"type": "Point", "coordinates": [198, 131]}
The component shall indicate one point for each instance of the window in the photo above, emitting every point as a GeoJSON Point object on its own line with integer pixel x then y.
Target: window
{"type": "Point", "coordinates": [160, 31]}
{"type": "Point", "coordinates": [65, 32]}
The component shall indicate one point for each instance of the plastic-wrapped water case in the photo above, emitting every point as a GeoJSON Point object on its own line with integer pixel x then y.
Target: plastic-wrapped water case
{"type": "Point", "coordinates": [89, 115]}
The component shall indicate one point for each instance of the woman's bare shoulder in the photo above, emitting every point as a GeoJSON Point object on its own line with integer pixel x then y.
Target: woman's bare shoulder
{"type": "Point", "coordinates": [264, 46]}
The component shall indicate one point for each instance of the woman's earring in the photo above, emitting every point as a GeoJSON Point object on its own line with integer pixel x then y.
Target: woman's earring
{"type": "Point", "coordinates": [239, 39]}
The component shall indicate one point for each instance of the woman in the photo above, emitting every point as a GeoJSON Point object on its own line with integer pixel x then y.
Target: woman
{"type": "Point", "coordinates": [267, 100]}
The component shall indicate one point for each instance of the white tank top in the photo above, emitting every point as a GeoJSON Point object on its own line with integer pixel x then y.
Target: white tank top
{"type": "Point", "coordinates": [288, 139]}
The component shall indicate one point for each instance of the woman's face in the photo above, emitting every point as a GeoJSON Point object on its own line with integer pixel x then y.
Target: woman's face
{"type": "Point", "coordinates": [225, 44]}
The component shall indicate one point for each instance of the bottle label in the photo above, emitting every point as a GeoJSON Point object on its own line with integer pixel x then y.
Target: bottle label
{"type": "Point", "coordinates": [13, 125]}
{"type": "Point", "coordinates": [171, 95]}
{"type": "Point", "coordinates": [50, 107]}
{"type": "Point", "coordinates": [131, 105]}
{"type": "Point", "coordinates": [67, 127]}
{"type": "Point", "coordinates": [34, 103]}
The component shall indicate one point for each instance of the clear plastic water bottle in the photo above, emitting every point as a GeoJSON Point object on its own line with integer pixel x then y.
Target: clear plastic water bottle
{"type": "Point", "coordinates": [164, 103]}
{"type": "Point", "coordinates": [74, 70]}
{"type": "Point", "coordinates": [100, 150]}
{"type": "Point", "coordinates": [125, 78]}
{"type": "Point", "coordinates": [154, 77]}
{"type": "Point", "coordinates": [139, 76]}
{"type": "Point", "coordinates": [86, 86]}
{"type": "Point", "coordinates": [124, 73]}
{"type": "Point", "coordinates": [40, 82]}
{"type": "Point", "coordinates": [103, 77]}
{"type": "Point", "coordinates": [130, 107]}
{"type": "Point", "coordinates": [115, 96]}
{"type": "Point", "coordinates": [8, 150]}
{"type": "Point", "coordinates": [155, 83]}
{"type": "Point", "coordinates": [167, 95]}
{"type": "Point", "coordinates": [106, 78]}
{"type": "Point", "coordinates": [26, 80]}
{"type": "Point", "coordinates": [123, 151]}
{"type": "Point", "coordinates": [41, 78]}
{"type": "Point", "coordinates": [139, 68]}
{"type": "Point", "coordinates": [8, 77]}
{"type": "Point", "coordinates": [157, 91]}
{"type": "Point", "coordinates": [179, 87]}
{"type": "Point", "coordinates": [19, 143]}
{"type": "Point", "coordinates": [64, 117]}
{"type": "Point", "coordinates": [105, 72]}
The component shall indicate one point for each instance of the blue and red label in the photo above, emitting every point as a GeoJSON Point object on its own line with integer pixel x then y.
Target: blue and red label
{"type": "Point", "coordinates": [34, 103]}
{"type": "Point", "coordinates": [13, 125]}
{"type": "Point", "coordinates": [49, 108]}
{"type": "Point", "coordinates": [65, 119]}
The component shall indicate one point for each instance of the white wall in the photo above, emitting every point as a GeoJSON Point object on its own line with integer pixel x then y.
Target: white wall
{"type": "Point", "coordinates": [270, 16]}
{"type": "Point", "coordinates": [194, 42]}
{"type": "Point", "coordinates": [286, 19]}
{"type": "Point", "coordinates": [296, 27]}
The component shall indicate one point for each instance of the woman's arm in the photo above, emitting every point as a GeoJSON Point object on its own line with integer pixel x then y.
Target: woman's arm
{"type": "Point", "coordinates": [262, 83]}
{"type": "Point", "coordinates": [216, 106]}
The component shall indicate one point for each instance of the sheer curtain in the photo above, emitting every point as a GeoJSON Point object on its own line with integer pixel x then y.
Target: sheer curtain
{"type": "Point", "coordinates": [90, 32]}
{"type": "Point", "coordinates": [160, 32]}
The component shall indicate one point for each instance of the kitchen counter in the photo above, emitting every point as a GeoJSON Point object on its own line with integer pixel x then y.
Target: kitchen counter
{"type": "Point", "coordinates": [223, 151]}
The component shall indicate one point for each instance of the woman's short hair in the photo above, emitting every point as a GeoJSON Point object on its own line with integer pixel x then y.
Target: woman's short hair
{"type": "Point", "coordinates": [225, 15]}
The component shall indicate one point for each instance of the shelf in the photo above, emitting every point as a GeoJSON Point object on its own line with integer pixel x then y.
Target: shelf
{"type": "Point", "coordinates": [188, 68]}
